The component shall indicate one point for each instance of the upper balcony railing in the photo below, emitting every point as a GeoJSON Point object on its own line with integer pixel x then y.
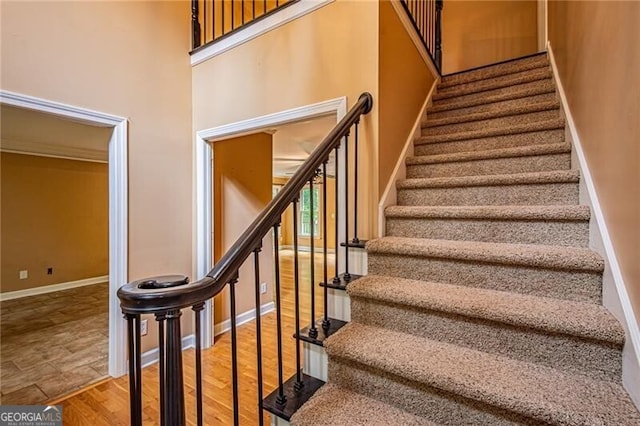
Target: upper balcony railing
{"type": "Point", "coordinates": [426, 17]}
{"type": "Point", "coordinates": [212, 20]}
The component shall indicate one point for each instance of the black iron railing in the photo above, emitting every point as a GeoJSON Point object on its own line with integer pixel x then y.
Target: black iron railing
{"type": "Point", "coordinates": [426, 17]}
{"type": "Point", "coordinates": [212, 20]}
{"type": "Point", "coordinates": [165, 297]}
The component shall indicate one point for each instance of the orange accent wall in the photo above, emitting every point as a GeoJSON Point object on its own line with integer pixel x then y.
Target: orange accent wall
{"type": "Point", "coordinates": [55, 213]}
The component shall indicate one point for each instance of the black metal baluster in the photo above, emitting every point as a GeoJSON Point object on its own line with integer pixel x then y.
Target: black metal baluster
{"type": "Point", "coordinates": [135, 404]}
{"type": "Point", "coordinates": [242, 6]}
{"type": "Point", "coordinates": [282, 398]}
{"type": "Point", "coordinates": [296, 284]}
{"type": "Point", "coordinates": [347, 275]}
{"type": "Point", "coordinates": [204, 20]}
{"type": "Point", "coordinates": [234, 349]}
{"type": "Point", "coordinates": [336, 279]}
{"type": "Point", "coordinates": [175, 384]}
{"type": "Point", "coordinates": [355, 240]}
{"type": "Point", "coordinates": [265, 7]}
{"type": "Point", "coordinates": [256, 265]}
{"type": "Point", "coordinates": [222, 15]}
{"type": "Point", "coordinates": [233, 20]}
{"type": "Point", "coordinates": [213, 20]}
{"type": "Point", "coordinates": [313, 330]}
{"type": "Point", "coordinates": [160, 318]}
{"type": "Point", "coordinates": [438, 54]}
{"type": "Point", "coordinates": [195, 24]}
{"type": "Point", "coordinates": [253, 16]}
{"type": "Point", "coordinates": [197, 310]}
{"type": "Point", "coordinates": [326, 323]}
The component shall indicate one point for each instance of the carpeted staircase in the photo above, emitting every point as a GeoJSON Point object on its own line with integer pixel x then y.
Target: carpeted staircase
{"type": "Point", "coordinates": [483, 303]}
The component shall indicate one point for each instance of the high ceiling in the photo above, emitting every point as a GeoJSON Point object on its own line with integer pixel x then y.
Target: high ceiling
{"type": "Point", "coordinates": [293, 142]}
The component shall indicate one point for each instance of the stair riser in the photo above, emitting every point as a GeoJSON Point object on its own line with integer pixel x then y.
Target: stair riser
{"type": "Point", "coordinates": [570, 354]}
{"type": "Point", "coordinates": [430, 403]}
{"type": "Point", "coordinates": [493, 84]}
{"type": "Point", "coordinates": [582, 286]}
{"type": "Point", "coordinates": [496, 70]}
{"type": "Point", "coordinates": [508, 121]}
{"type": "Point", "coordinates": [559, 233]}
{"type": "Point", "coordinates": [534, 194]}
{"type": "Point", "coordinates": [481, 97]}
{"type": "Point", "coordinates": [494, 166]}
{"type": "Point", "coordinates": [492, 107]}
{"type": "Point", "coordinates": [496, 142]}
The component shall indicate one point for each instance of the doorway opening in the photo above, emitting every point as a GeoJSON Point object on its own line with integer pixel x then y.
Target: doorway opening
{"type": "Point", "coordinates": [64, 248]}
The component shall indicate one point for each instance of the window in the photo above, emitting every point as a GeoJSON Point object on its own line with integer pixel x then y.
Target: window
{"type": "Point", "coordinates": [304, 228]}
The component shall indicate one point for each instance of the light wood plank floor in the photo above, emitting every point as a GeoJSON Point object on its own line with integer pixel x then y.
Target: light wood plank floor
{"type": "Point", "coordinates": [108, 402]}
{"type": "Point", "coordinates": [52, 344]}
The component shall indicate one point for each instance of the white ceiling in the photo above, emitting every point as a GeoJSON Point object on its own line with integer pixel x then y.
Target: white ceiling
{"type": "Point", "coordinates": [293, 142]}
{"type": "Point", "coordinates": [32, 132]}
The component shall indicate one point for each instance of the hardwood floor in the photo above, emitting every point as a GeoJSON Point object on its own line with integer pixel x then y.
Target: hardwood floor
{"type": "Point", "coordinates": [53, 344]}
{"type": "Point", "coordinates": [108, 403]}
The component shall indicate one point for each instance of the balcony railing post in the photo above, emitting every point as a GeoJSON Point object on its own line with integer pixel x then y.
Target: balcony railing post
{"type": "Point", "coordinates": [438, 53]}
{"type": "Point", "coordinates": [195, 24]}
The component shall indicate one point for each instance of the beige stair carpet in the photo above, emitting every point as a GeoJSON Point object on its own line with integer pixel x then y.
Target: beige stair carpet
{"type": "Point", "coordinates": [483, 302]}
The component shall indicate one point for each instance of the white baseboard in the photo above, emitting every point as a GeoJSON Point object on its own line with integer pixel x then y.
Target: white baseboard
{"type": "Point", "coordinates": [389, 196]}
{"type": "Point", "coordinates": [151, 357]}
{"type": "Point", "coordinates": [10, 295]}
{"type": "Point", "coordinates": [615, 295]}
{"type": "Point", "coordinates": [242, 318]}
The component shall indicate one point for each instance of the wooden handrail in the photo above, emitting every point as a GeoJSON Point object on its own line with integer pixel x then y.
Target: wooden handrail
{"type": "Point", "coordinates": [145, 299]}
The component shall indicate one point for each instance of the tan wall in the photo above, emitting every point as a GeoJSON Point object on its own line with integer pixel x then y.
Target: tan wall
{"type": "Point", "coordinates": [405, 81]}
{"type": "Point", "coordinates": [596, 49]}
{"type": "Point", "coordinates": [54, 215]}
{"type": "Point", "coordinates": [128, 59]}
{"type": "Point", "coordinates": [242, 171]}
{"type": "Point", "coordinates": [326, 54]}
{"type": "Point", "coordinates": [476, 33]}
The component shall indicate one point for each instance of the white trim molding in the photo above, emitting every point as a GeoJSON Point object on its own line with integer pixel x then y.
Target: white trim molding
{"type": "Point", "coordinates": [256, 29]}
{"type": "Point", "coordinates": [243, 318]}
{"type": "Point", "coordinates": [615, 296]}
{"type": "Point", "coordinates": [51, 288]}
{"type": "Point", "coordinates": [389, 196]}
{"type": "Point", "coordinates": [204, 173]}
{"type": "Point", "coordinates": [415, 38]}
{"type": "Point", "coordinates": [118, 196]}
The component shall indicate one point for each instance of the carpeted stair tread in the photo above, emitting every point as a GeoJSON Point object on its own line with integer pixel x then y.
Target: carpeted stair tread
{"type": "Point", "coordinates": [524, 151]}
{"type": "Point", "coordinates": [336, 406]}
{"type": "Point", "coordinates": [491, 132]}
{"type": "Point", "coordinates": [559, 176]}
{"type": "Point", "coordinates": [509, 212]}
{"type": "Point", "coordinates": [530, 255]}
{"type": "Point", "coordinates": [583, 320]}
{"type": "Point", "coordinates": [516, 93]}
{"type": "Point", "coordinates": [537, 392]}
{"type": "Point", "coordinates": [494, 70]}
{"type": "Point", "coordinates": [515, 110]}
{"type": "Point", "coordinates": [494, 83]}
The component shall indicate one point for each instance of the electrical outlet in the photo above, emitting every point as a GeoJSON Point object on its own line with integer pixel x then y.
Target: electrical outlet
{"type": "Point", "coordinates": [263, 288]}
{"type": "Point", "coordinates": [24, 274]}
{"type": "Point", "coordinates": [49, 271]}
{"type": "Point", "coordinates": [143, 327]}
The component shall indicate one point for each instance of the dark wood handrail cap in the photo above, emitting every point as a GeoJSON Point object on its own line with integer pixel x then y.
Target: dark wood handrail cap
{"type": "Point", "coordinates": [162, 281]}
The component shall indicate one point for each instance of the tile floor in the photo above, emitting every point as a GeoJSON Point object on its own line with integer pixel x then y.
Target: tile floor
{"type": "Point", "coordinates": [53, 344]}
